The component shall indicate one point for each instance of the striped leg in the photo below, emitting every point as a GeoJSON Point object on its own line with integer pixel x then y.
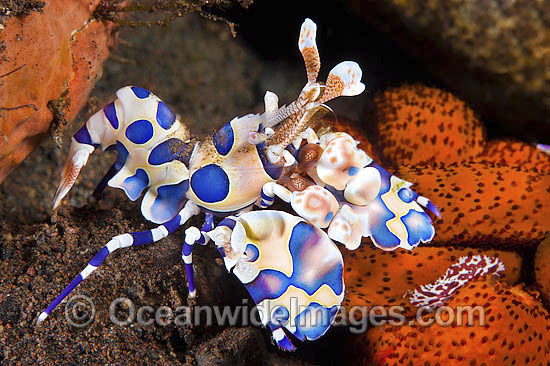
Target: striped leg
{"type": "Point", "coordinates": [269, 191]}
{"type": "Point", "coordinates": [192, 236]}
{"type": "Point", "coordinates": [208, 223]}
{"type": "Point", "coordinates": [124, 241]}
{"type": "Point", "coordinates": [426, 203]}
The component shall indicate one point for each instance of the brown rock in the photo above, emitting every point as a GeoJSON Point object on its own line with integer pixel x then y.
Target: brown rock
{"type": "Point", "coordinates": [51, 61]}
{"type": "Point", "coordinates": [494, 54]}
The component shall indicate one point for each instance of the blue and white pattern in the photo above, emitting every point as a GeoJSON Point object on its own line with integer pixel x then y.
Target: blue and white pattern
{"type": "Point", "coordinates": [148, 139]}
{"type": "Point", "coordinates": [355, 197]}
{"type": "Point", "coordinates": [291, 269]}
{"type": "Point", "coordinates": [290, 266]}
{"type": "Point", "coordinates": [383, 207]}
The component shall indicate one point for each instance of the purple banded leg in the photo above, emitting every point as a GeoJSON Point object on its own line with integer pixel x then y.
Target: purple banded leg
{"type": "Point", "coordinates": [192, 236]}
{"type": "Point", "coordinates": [266, 200]}
{"type": "Point", "coordinates": [421, 200]}
{"type": "Point", "coordinates": [269, 191]}
{"type": "Point", "coordinates": [187, 249]}
{"type": "Point", "coordinates": [123, 241]}
{"type": "Point", "coordinates": [208, 223]}
{"type": "Point", "coordinates": [119, 241]}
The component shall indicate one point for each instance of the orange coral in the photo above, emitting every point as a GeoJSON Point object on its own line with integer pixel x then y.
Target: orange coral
{"type": "Point", "coordinates": [484, 203]}
{"type": "Point", "coordinates": [374, 277]}
{"type": "Point", "coordinates": [57, 55]}
{"type": "Point", "coordinates": [516, 154]}
{"type": "Point", "coordinates": [417, 124]}
{"type": "Point", "coordinates": [542, 269]}
{"type": "Point", "coordinates": [516, 333]}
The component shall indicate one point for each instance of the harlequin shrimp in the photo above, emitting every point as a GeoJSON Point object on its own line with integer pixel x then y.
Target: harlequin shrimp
{"type": "Point", "coordinates": [279, 257]}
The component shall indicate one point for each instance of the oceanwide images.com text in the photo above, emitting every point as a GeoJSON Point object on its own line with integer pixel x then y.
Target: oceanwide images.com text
{"type": "Point", "coordinates": [80, 312]}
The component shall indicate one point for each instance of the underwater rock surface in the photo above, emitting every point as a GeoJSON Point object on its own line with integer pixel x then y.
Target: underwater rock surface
{"type": "Point", "coordinates": [494, 54]}
{"type": "Point", "coordinates": [50, 62]}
